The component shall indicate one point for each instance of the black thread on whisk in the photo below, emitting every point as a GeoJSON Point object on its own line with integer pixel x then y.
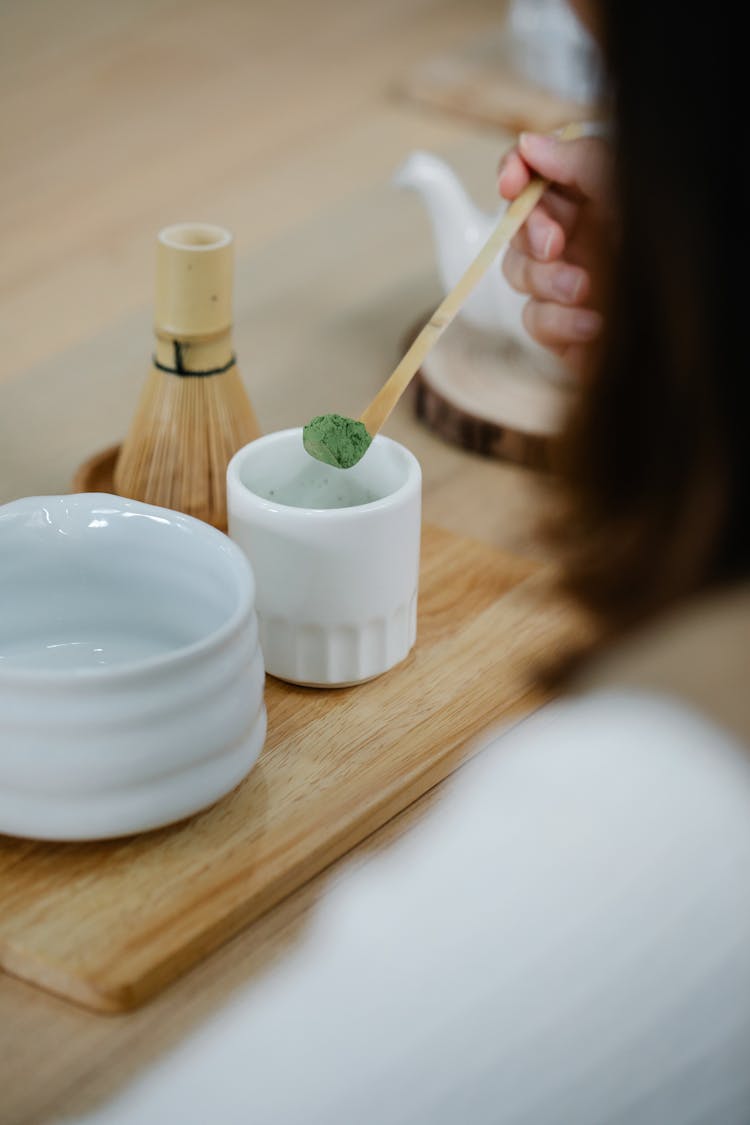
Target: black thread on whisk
{"type": "Point", "coordinates": [180, 369]}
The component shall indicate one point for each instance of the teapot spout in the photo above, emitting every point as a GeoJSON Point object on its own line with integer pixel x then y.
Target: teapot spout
{"type": "Point", "coordinates": [458, 224]}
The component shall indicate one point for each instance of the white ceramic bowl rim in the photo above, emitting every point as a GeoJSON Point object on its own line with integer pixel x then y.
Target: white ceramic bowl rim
{"type": "Point", "coordinates": [412, 480]}
{"type": "Point", "coordinates": [235, 557]}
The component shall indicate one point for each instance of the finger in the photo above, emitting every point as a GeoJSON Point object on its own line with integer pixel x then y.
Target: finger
{"type": "Point", "coordinates": [557, 326]}
{"type": "Point", "coordinates": [512, 175]}
{"type": "Point", "coordinates": [578, 165]}
{"type": "Point", "coordinates": [580, 359]}
{"type": "Point", "coordinates": [552, 281]}
{"type": "Point", "coordinates": [541, 236]}
{"type": "Point", "coordinates": [561, 208]}
{"type": "Point", "coordinates": [577, 358]}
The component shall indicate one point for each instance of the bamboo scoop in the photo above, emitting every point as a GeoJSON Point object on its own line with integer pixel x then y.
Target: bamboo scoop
{"type": "Point", "coordinates": [343, 442]}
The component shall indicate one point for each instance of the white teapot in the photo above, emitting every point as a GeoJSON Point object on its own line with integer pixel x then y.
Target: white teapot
{"type": "Point", "coordinates": [460, 229]}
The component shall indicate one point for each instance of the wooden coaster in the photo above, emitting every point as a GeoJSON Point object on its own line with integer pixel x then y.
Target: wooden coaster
{"type": "Point", "coordinates": [98, 475]}
{"type": "Point", "coordinates": [480, 85]}
{"type": "Point", "coordinates": [109, 924]}
{"type": "Point", "coordinates": [488, 395]}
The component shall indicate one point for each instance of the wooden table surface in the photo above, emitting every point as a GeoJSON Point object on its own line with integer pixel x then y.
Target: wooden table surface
{"type": "Point", "coordinates": [278, 121]}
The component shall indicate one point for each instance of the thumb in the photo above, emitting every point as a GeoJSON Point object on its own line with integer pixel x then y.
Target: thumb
{"type": "Point", "coordinates": [576, 165]}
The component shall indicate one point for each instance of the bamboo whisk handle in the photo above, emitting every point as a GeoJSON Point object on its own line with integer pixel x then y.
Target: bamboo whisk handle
{"type": "Point", "coordinates": [194, 412]}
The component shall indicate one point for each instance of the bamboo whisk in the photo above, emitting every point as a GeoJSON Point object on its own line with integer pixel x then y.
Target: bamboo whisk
{"type": "Point", "coordinates": [194, 412]}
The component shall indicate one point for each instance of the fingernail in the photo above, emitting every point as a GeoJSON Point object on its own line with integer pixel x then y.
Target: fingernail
{"type": "Point", "coordinates": [534, 144]}
{"type": "Point", "coordinates": [547, 248]}
{"type": "Point", "coordinates": [567, 284]}
{"type": "Point", "coordinates": [587, 323]}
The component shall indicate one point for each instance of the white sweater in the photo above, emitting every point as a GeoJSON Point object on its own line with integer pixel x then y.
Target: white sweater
{"type": "Point", "coordinates": [565, 940]}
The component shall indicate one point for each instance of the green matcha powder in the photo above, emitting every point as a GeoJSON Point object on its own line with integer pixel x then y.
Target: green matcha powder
{"type": "Point", "coordinates": [336, 440]}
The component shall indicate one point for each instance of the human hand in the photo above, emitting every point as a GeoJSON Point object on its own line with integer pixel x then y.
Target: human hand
{"type": "Point", "coordinates": [559, 255]}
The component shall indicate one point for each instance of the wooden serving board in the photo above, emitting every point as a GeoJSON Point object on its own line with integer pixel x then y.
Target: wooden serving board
{"type": "Point", "coordinates": [109, 924]}
{"type": "Point", "coordinates": [480, 84]}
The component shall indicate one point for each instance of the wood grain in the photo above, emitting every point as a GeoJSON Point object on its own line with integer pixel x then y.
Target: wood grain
{"type": "Point", "coordinates": [107, 925]}
{"type": "Point", "coordinates": [485, 394]}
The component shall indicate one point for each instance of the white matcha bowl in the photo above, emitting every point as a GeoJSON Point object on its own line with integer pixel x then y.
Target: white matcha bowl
{"type": "Point", "coordinates": [335, 554]}
{"type": "Point", "coordinates": [131, 680]}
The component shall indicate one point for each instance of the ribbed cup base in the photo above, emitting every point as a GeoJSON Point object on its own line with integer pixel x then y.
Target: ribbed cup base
{"type": "Point", "coordinates": [336, 655]}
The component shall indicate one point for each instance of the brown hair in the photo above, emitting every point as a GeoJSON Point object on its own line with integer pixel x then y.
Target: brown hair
{"type": "Point", "coordinates": [655, 458]}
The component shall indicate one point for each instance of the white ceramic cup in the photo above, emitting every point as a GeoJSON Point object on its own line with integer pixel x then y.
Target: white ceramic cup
{"type": "Point", "coordinates": [335, 553]}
